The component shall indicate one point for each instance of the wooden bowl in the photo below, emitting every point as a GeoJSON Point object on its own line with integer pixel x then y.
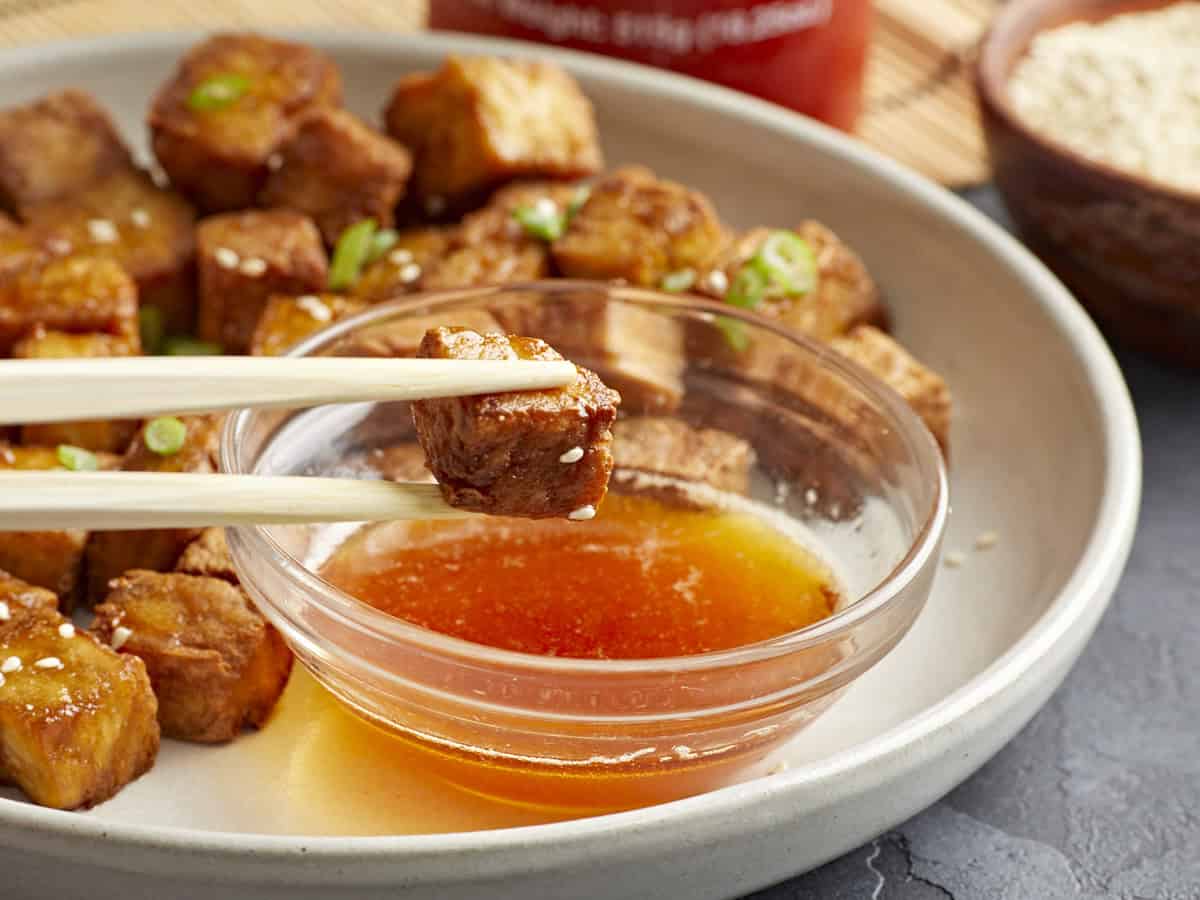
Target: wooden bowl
{"type": "Point", "coordinates": [1127, 246]}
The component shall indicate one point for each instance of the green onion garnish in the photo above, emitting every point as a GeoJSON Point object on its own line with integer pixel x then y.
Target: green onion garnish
{"type": "Point", "coordinates": [188, 346]}
{"type": "Point", "coordinates": [350, 254]}
{"type": "Point", "coordinates": [787, 262]}
{"type": "Point", "coordinates": [748, 288]}
{"type": "Point", "coordinates": [678, 282]}
{"type": "Point", "coordinates": [734, 333]}
{"type": "Point", "coordinates": [77, 459]}
{"type": "Point", "coordinates": [150, 327]}
{"type": "Point", "coordinates": [218, 91]}
{"type": "Point", "coordinates": [542, 220]}
{"type": "Point", "coordinates": [383, 241]}
{"type": "Point", "coordinates": [165, 436]}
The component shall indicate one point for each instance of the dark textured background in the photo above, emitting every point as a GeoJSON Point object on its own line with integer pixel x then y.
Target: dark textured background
{"type": "Point", "coordinates": [1099, 796]}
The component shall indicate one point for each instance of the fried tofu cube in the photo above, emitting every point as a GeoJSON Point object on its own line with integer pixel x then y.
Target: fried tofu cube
{"type": "Point", "coordinates": [215, 663]}
{"type": "Point", "coordinates": [111, 553]}
{"type": "Point", "coordinates": [399, 270]}
{"type": "Point", "coordinates": [639, 228]}
{"type": "Point", "coordinates": [338, 171]}
{"type": "Point", "coordinates": [676, 462]}
{"type": "Point", "coordinates": [108, 435]}
{"type": "Point", "coordinates": [208, 555]}
{"type": "Point", "coordinates": [481, 121]}
{"type": "Point", "coordinates": [536, 454]}
{"type": "Point", "coordinates": [288, 320]}
{"type": "Point", "coordinates": [16, 593]}
{"type": "Point", "coordinates": [75, 294]}
{"type": "Point", "coordinates": [233, 101]}
{"type": "Point", "coordinates": [78, 722]}
{"type": "Point", "coordinates": [844, 296]}
{"type": "Point", "coordinates": [48, 559]}
{"type": "Point", "coordinates": [55, 147]}
{"type": "Point", "coordinates": [922, 388]}
{"type": "Point", "coordinates": [243, 259]}
{"type": "Point", "coordinates": [145, 228]}
{"type": "Point", "coordinates": [493, 262]}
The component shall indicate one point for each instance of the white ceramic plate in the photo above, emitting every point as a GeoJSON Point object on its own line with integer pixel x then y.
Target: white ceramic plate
{"type": "Point", "coordinates": [1046, 455]}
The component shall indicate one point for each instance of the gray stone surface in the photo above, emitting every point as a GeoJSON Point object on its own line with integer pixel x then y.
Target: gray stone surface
{"type": "Point", "coordinates": [1099, 797]}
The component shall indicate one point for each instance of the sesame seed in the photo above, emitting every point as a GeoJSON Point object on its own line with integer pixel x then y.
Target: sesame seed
{"type": "Point", "coordinates": [49, 662]}
{"type": "Point", "coordinates": [544, 206]}
{"type": "Point", "coordinates": [987, 540]}
{"type": "Point", "coordinates": [574, 455]}
{"type": "Point", "coordinates": [10, 665]}
{"type": "Point", "coordinates": [954, 559]}
{"type": "Point", "coordinates": [102, 231]}
{"type": "Point", "coordinates": [140, 218]}
{"type": "Point", "coordinates": [582, 514]}
{"type": "Point", "coordinates": [67, 630]}
{"type": "Point", "coordinates": [315, 307]}
{"type": "Point", "coordinates": [275, 162]}
{"type": "Point", "coordinates": [58, 246]}
{"type": "Point", "coordinates": [410, 273]}
{"type": "Point", "coordinates": [400, 257]}
{"type": "Point", "coordinates": [120, 635]}
{"type": "Point", "coordinates": [5, 615]}
{"type": "Point", "coordinates": [717, 281]}
{"type": "Point", "coordinates": [810, 497]}
{"type": "Point", "coordinates": [253, 267]}
{"type": "Point", "coordinates": [226, 258]}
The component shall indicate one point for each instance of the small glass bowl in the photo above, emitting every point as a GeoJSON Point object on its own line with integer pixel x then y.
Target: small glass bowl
{"type": "Point", "coordinates": [838, 454]}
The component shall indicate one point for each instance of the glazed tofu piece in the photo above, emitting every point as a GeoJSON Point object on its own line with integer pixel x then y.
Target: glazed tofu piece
{"type": "Point", "coordinates": [481, 121]}
{"type": "Point", "coordinates": [107, 435]}
{"type": "Point", "coordinates": [399, 270]}
{"type": "Point", "coordinates": [922, 388]}
{"type": "Point", "coordinates": [17, 594]}
{"type": "Point", "coordinates": [844, 295]}
{"type": "Point", "coordinates": [338, 171]}
{"type": "Point", "coordinates": [74, 294]}
{"type": "Point", "coordinates": [535, 454]}
{"type": "Point", "coordinates": [229, 107]}
{"type": "Point", "coordinates": [639, 228]}
{"type": "Point", "coordinates": [215, 664]}
{"type": "Point", "coordinates": [675, 462]}
{"type": "Point", "coordinates": [244, 258]}
{"type": "Point", "coordinates": [145, 228]}
{"type": "Point", "coordinates": [208, 555]}
{"type": "Point", "coordinates": [55, 147]}
{"type": "Point", "coordinates": [48, 559]}
{"type": "Point", "coordinates": [78, 722]}
{"type": "Point", "coordinates": [112, 553]}
{"type": "Point", "coordinates": [288, 320]}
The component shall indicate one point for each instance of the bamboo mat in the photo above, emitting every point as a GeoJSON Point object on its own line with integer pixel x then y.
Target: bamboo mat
{"type": "Point", "coordinates": [919, 104]}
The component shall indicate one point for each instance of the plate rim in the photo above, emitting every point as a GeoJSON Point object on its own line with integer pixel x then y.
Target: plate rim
{"type": "Point", "coordinates": [1049, 639]}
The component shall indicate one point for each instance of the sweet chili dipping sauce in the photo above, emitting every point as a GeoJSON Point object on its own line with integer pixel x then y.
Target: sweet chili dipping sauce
{"type": "Point", "coordinates": [809, 55]}
{"type": "Point", "coordinates": [644, 579]}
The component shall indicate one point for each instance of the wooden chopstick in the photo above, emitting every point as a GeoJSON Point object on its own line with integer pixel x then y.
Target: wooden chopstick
{"type": "Point", "coordinates": [117, 501]}
{"type": "Point", "coordinates": [61, 390]}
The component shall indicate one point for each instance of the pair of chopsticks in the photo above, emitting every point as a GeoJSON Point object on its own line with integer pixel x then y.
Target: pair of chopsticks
{"type": "Point", "coordinates": [37, 391]}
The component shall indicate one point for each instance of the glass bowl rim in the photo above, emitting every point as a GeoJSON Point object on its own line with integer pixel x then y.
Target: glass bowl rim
{"type": "Point", "coordinates": [361, 616]}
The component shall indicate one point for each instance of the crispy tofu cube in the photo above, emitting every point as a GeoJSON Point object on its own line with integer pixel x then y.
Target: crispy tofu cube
{"type": "Point", "coordinates": [675, 462]}
{"type": "Point", "coordinates": [215, 664]}
{"type": "Point", "coordinates": [78, 722]}
{"type": "Point", "coordinates": [48, 559]}
{"type": "Point", "coordinates": [288, 320]}
{"type": "Point", "coordinates": [637, 227]}
{"type": "Point", "coordinates": [208, 555]}
{"type": "Point", "coordinates": [234, 99]}
{"type": "Point", "coordinates": [111, 553]}
{"type": "Point", "coordinates": [54, 148]}
{"type": "Point", "coordinates": [16, 593]}
{"type": "Point", "coordinates": [480, 121]}
{"type": "Point", "coordinates": [845, 295]}
{"type": "Point", "coordinates": [76, 294]}
{"type": "Point", "coordinates": [108, 435]}
{"type": "Point", "coordinates": [536, 454]}
{"type": "Point", "coordinates": [243, 259]}
{"type": "Point", "coordinates": [922, 388]}
{"type": "Point", "coordinates": [400, 269]}
{"type": "Point", "coordinates": [338, 171]}
{"type": "Point", "coordinates": [148, 229]}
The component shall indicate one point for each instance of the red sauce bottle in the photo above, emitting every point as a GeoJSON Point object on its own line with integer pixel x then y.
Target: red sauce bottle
{"type": "Point", "coordinates": [809, 55]}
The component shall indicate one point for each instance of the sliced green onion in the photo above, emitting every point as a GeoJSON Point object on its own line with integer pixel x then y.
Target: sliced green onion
{"type": "Point", "coordinates": [218, 91]}
{"type": "Point", "coordinates": [165, 436]}
{"type": "Point", "coordinates": [188, 346]}
{"type": "Point", "coordinates": [150, 327]}
{"type": "Point", "coordinates": [734, 333]}
{"type": "Point", "coordinates": [576, 204]}
{"type": "Point", "coordinates": [383, 241]}
{"type": "Point", "coordinates": [787, 262]}
{"type": "Point", "coordinates": [542, 220]}
{"type": "Point", "coordinates": [748, 288]}
{"type": "Point", "coordinates": [77, 459]}
{"type": "Point", "coordinates": [351, 252]}
{"type": "Point", "coordinates": [678, 282]}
